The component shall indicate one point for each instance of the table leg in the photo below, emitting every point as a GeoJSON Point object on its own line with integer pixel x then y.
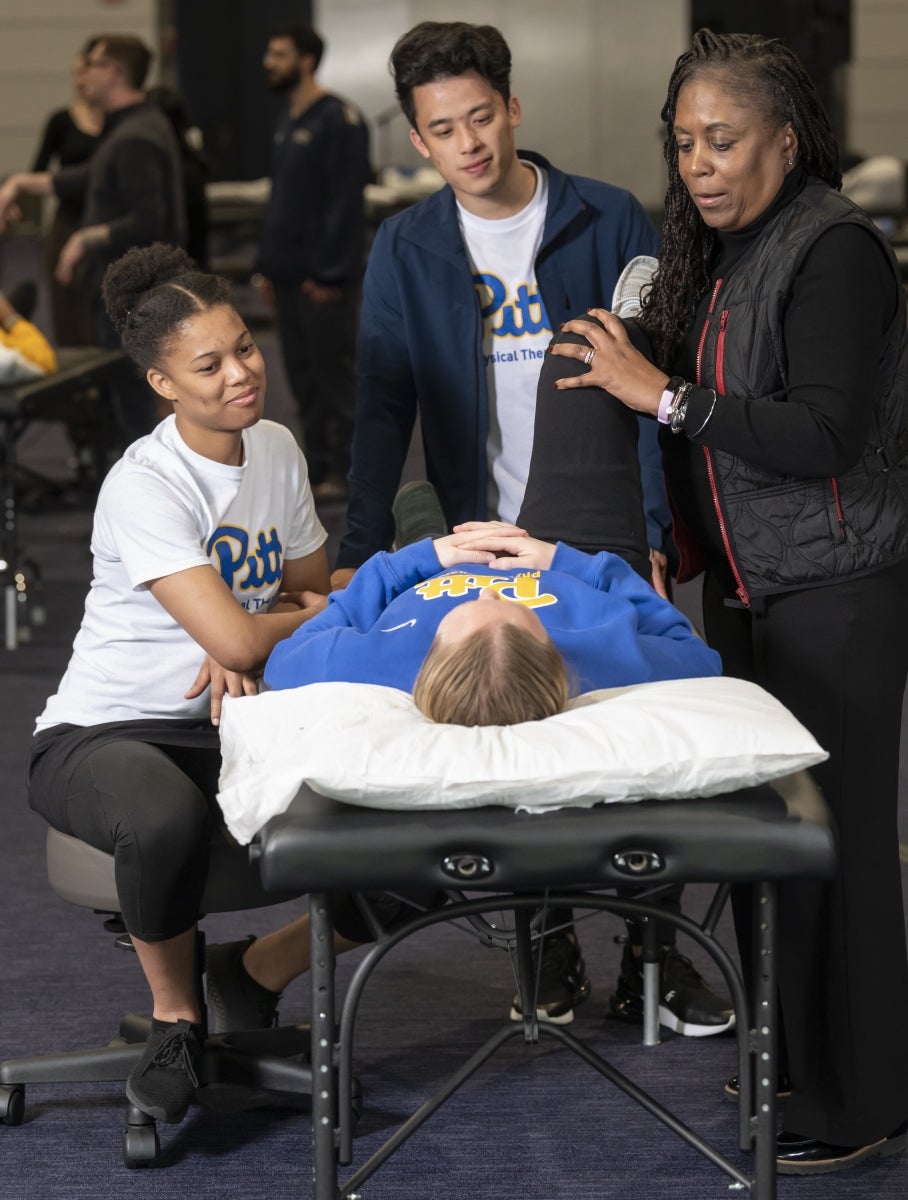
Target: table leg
{"type": "Point", "coordinates": [324, 1067]}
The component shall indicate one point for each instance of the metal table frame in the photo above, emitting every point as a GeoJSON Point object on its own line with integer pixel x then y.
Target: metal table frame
{"type": "Point", "coordinates": [770, 833]}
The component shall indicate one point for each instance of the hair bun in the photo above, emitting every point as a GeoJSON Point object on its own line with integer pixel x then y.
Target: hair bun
{"type": "Point", "coordinates": [137, 272]}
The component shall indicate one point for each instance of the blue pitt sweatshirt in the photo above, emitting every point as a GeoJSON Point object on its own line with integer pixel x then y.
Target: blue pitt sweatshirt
{"type": "Point", "coordinates": [610, 626]}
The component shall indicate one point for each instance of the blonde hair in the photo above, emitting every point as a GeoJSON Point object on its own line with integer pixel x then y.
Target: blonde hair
{"type": "Point", "coordinates": [501, 675]}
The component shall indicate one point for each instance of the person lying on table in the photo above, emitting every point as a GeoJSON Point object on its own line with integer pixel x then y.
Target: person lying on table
{"type": "Point", "coordinates": [505, 639]}
{"type": "Point", "coordinates": [487, 626]}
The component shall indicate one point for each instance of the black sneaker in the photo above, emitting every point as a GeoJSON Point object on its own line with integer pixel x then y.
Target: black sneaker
{"type": "Point", "coordinates": [686, 1005]}
{"type": "Point", "coordinates": [562, 980]}
{"type": "Point", "coordinates": [235, 1000]}
{"type": "Point", "coordinates": [163, 1081]}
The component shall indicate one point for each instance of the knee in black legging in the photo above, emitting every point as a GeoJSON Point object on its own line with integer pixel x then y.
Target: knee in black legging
{"type": "Point", "coordinates": [135, 802]}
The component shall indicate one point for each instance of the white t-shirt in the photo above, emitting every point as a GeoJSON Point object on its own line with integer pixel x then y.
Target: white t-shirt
{"type": "Point", "coordinates": [163, 509]}
{"type": "Point", "coordinates": [516, 331]}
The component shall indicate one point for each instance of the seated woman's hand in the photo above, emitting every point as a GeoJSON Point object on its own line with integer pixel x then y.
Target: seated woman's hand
{"type": "Point", "coordinates": [308, 602]}
{"type": "Point", "coordinates": [615, 364]}
{"type": "Point", "coordinates": [473, 542]}
{"type": "Point", "coordinates": [222, 683]}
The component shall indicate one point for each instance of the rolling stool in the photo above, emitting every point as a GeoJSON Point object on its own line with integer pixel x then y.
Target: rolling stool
{"type": "Point", "coordinates": [270, 1060]}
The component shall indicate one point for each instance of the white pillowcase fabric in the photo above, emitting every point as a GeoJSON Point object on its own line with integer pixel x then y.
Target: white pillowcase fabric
{"type": "Point", "coordinates": [369, 745]}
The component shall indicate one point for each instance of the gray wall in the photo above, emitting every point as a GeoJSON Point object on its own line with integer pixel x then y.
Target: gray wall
{"type": "Point", "coordinates": [590, 74]}
{"type": "Point", "coordinates": [877, 78]}
{"type": "Point", "coordinates": [38, 42]}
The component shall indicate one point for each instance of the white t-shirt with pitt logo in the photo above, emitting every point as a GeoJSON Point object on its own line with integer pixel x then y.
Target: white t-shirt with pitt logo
{"type": "Point", "coordinates": [163, 509]}
{"type": "Point", "coordinates": [516, 331]}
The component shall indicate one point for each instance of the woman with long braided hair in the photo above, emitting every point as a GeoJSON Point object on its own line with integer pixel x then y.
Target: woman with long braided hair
{"type": "Point", "coordinates": [772, 349]}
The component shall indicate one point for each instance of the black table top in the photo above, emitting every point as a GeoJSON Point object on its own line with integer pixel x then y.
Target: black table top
{"type": "Point", "coordinates": [775, 831]}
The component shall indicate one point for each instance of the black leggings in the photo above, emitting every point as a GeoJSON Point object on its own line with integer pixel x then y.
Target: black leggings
{"type": "Point", "coordinates": [149, 803]}
{"type": "Point", "coordinates": [584, 484]}
{"type": "Point", "coordinates": [584, 489]}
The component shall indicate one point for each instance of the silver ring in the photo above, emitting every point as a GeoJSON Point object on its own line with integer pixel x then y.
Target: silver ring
{"type": "Point", "coordinates": [588, 357]}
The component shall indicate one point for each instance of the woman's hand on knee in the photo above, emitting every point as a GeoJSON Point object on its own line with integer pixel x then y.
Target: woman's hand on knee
{"type": "Point", "coordinates": [614, 363]}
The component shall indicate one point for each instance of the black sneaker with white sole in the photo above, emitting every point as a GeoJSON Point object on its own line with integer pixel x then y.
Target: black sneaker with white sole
{"type": "Point", "coordinates": [562, 979]}
{"type": "Point", "coordinates": [686, 1004]}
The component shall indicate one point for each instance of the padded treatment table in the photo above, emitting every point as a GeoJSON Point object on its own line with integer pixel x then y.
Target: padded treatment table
{"type": "Point", "coordinates": [73, 392]}
{"type": "Point", "coordinates": [567, 857]}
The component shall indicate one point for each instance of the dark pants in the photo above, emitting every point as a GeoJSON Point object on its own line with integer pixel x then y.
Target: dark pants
{"type": "Point", "coordinates": [150, 804]}
{"type": "Point", "coordinates": [318, 344]}
{"type": "Point", "coordinates": [837, 657]}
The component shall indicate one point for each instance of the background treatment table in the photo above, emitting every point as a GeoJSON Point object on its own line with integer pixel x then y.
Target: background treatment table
{"type": "Point", "coordinates": [76, 392]}
{"type": "Point", "coordinates": [572, 856]}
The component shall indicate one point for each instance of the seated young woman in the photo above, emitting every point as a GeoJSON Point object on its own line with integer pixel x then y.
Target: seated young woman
{"type": "Point", "coordinates": [488, 626]}
{"type": "Point", "coordinates": [197, 529]}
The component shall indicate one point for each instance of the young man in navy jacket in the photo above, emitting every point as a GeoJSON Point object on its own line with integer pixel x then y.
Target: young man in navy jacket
{"type": "Point", "coordinates": [462, 293]}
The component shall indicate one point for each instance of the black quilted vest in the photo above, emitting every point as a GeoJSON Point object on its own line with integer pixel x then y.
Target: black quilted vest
{"type": "Point", "coordinates": [783, 531]}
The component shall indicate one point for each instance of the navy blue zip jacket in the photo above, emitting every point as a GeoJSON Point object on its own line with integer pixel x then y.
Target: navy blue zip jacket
{"type": "Point", "coordinates": [420, 343]}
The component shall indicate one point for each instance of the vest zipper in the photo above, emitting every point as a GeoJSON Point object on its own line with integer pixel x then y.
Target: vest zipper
{"type": "Point", "coordinates": [740, 590]}
{"type": "Point", "coordinates": [840, 515]}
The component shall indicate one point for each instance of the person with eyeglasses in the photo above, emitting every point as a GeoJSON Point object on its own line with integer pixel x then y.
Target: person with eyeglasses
{"type": "Point", "coordinates": [132, 188]}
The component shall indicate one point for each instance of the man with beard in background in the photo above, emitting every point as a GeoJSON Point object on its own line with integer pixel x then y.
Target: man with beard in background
{"type": "Point", "coordinates": [312, 249]}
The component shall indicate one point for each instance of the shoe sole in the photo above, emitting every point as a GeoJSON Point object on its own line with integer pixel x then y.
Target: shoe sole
{"type": "Point", "coordinates": [153, 1111]}
{"type": "Point", "coordinates": [671, 1021]}
{"type": "Point", "coordinates": [687, 1029]}
{"type": "Point", "coordinates": [825, 1166]}
{"type": "Point", "coordinates": [541, 1015]}
{"type": "Point", "coordinates": [735, 1095]}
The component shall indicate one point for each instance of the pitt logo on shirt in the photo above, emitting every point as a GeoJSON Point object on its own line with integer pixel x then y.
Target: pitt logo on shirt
{"type": "Point", "coordinates": [524, 316]}
{"type": "Point", "coordinates": [244, 566]}
{"type": "Point", "coordinates": [522, 589]}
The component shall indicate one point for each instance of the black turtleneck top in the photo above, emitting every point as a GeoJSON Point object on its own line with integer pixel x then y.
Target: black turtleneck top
{"type": "Point", "coordinates": [842, 300]}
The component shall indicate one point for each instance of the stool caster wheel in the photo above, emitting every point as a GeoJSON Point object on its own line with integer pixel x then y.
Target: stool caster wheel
{"type": "Point", "coordinates": [140, 1140]}
{"type": "Point", "coordinates": [12, 1105]}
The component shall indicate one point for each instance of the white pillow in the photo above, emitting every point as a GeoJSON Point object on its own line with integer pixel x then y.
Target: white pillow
{"type": "Point", "coordinates": [370, 745]}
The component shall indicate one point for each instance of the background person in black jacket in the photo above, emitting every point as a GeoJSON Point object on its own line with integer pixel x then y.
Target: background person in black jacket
{"type": "Point", "coordinates": [70, 136]}
{"type": "Point", "coordinates": [313, 247]}
{"type": "Point", "coordinates": [777, 363]}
